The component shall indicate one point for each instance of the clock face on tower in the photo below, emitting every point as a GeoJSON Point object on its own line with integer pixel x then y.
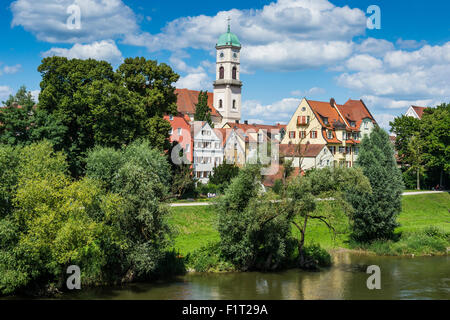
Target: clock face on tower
{"type": "Point", "coordinates": [221, 54]}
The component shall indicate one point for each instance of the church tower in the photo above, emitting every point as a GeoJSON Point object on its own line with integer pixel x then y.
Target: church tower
{"type": "Point", "coordinates": [228, 87]}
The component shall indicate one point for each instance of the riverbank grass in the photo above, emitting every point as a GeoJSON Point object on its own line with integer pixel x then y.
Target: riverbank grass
{"type": "Point", "coordinates": [424, 230]}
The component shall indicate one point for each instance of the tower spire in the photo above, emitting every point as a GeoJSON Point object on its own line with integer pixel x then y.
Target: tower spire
{"type": "Point", "coordinates": [229, 19]}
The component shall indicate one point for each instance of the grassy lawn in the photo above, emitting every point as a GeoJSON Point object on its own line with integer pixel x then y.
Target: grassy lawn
{"type": "Point", "coordinates": [421, 211]}
{"type": "Point", "coordinates": [196, 225]}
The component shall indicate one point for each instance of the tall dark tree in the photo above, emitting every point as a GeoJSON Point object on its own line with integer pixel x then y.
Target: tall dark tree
{"type": "Point", "coordinates": [375, 213]}
{"type": "Point", "coordinates": [101, 107]}
{"type": "Point", "coordinates": [202, 110]}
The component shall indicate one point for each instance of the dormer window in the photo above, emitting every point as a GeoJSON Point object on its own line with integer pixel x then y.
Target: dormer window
{"type": "Point", "coordinates": [171, 117]}
{"type": "Point", "coordinates": [330, 134]}
{"type": "Point", "coordinates": [352, 124]}
{"type": "Point", "coordinates": [325, 120]}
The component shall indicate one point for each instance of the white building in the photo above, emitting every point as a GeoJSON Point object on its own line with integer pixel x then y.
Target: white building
{"type": "Point", "coordinates": [310, 156]}
{"type": "Point", "coordinates": [415, 112]}
{"type": "Point", "coordinates": [208, 149]}
{"type": "Point", "coordinates": [228, 87]}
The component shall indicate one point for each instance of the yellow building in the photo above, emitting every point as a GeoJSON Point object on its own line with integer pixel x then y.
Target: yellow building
{"type": "Point", "coordinates": [340, 127]}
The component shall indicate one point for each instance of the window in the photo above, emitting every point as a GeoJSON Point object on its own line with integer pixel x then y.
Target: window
{"type": "Point", "coordinates": [303, 134]}
{"type": "Point", "coordinates": [292, 134]}
{"type": "Point", "coordinates": [356, 150]}
{"type": "Point", "coordinates": [352, 124]}
{"type": "Point", "coordinates": [234, 73]}
{"type": "Point", "coordinates": [330, 134]}
{"type": "Point", "coordinates": [341, 149]}
{"type": "Point", "coordinates": [344, 135]}
{"type": "Point", "coordinates": [221, 73]}
{"type": "Point", "coordinates": [325, 120]}
{"type": "Point", "coordinates": [188, 147]}
{"type": "Point", "coordinates": [217, 145]}
{"type": "Point", "coordinates": [332, 149]}
{"type": "Point", "coordinates": [179, 131]}
{"type": "Point", "coordinates": [234, 104]}
{"type": "Point", "coordinates": [366, 125]}
{"type": "Point", "coordinates": [313, 134]}
{"type": "Point", "coordinates": [307, 119]}
{"type": "Point", "coordinates": [171, 117]}
{"type": "Point", "coordinates": [220, 104]}
{"type": "Point", "coordinates": [171, 131]}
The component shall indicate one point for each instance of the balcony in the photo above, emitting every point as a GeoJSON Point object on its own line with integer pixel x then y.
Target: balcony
{"type": "Point", "coordinates": [302, 121]}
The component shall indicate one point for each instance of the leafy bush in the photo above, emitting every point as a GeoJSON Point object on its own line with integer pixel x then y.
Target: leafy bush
{"type": "Point", "coordinates": [205, 188]}
{"type": "Point", "coordinates": [278, 186]}
{"type": "Point", "coordinates": [208, 258]}
{"type": "Point", "coordinates": [317, 256]}
{"type": "Point", "coordinates": [252, 234]}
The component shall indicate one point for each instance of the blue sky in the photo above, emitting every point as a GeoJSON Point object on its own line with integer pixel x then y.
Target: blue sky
{"type": "Point", "coordinates": [291, 48]}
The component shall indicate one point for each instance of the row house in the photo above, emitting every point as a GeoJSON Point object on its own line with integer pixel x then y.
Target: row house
{"type": "Point", "coordinates": [243, 140]}
{"type": "Point", "coordinates": [208, 149]}
{"type": "Point", "coordinates": [339, 127]}
{"type": "Point", "coordinates": [180, 133]}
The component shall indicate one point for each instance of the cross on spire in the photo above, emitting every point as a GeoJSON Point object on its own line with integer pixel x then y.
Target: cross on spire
{"type": "Point", "coordinates": [228, 19]}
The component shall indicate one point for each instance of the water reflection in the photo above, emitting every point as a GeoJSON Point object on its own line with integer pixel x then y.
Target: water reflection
{"type": "Point", "coordinates": [401, 278]}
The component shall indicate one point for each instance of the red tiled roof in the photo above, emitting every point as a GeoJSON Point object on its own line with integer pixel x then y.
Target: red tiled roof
{"type": "Point", "coordinates": [187, 99]}
{"type": "Point", "coordinates": [307, 150]}
{"type": "Point", "coordinates": [419, 111]}
{"type": "Point", "coordinates": [354, 110]}
{"type": "Point", "coordinates": [326, 110]}
{"type": "Point", "coordinates": [332, 140]}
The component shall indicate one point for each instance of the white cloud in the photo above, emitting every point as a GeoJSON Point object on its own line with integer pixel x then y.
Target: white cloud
{"type": "Point", "coordinates": [314, 91]}
{"type": "Point", "coordinates": [286, 34]}
{"type": "Point", "coordinates": [35, 94]}
{"type": "Point", "coordinates": [99, 50]}
{"type": "Point", "coordinates": [388, 103]}
{"type": "Point", "coordinates": [295, 55]}
{"type": "Point", "coordinates": [383, 120]}
{"type": "Point", "coordinates": [5, 91]}
{"type": "Point", "coordinates": [194, 81]}
{"type": "Point", "coordinates": [100, 19]}
{"type": "Point", "coordinates": [363, 62]}
{"type": "Point", "coordinates": [281, 110]}
{"type": "Point", "coordinates": [10, 69]}
{"type": "Point", "coordinates": [409, 44]}
{"type": "Point", "coordinates": [375, 47]}
{"type": "Point", "coordinates": [417, 75]}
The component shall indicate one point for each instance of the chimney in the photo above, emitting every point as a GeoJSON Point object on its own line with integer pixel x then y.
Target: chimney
{"type": "Point", "coordinates": [246, 121]}
{"type": "Point", "coordinates": [332, 102]}
{"type": "Point", "coordinates": [237, 121]}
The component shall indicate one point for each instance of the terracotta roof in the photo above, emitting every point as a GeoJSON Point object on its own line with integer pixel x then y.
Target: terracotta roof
{"type": "Point", "coordinates": [355, 110]}
{"type": "Point", "coordinates": [325, 110]}
{"type": "Point", "coordinates": [419, 110]}
{"type": "Point", "coordinates": [307, 150]}
{"type": "Point", "coordinates": [334, 139]}
{"type": "Point", "coordinates": [187, 99]}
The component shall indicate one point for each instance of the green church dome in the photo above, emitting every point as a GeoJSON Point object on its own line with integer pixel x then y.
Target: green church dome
{"type": "Point", "coordinates": [228, 39]}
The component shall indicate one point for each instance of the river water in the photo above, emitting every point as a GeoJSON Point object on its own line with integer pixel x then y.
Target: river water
{"type": "Point", "coordinates": [401, 278]}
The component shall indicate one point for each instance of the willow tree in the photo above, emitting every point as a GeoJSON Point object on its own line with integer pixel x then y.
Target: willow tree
{"type": "Point", "coordinates": [321, 195]}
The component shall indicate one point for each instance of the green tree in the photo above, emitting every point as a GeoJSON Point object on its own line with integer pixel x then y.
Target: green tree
{"type": "Point", "coordinates": [141, 176]}
{"type": "Point", "coordinates": [415, 158]}
{"type": "Point", "coordinates": [333, 184]}
{"type": "Point", "coordinates": [101, 107]}
{"type": "Point", "coordinates": [435, 134]}
{"type": "Point", "coordinates": [55, 223]}
{"type": "Point", "coordinates": [404, 128]}
{"type": "Point", "coordinates": [251, 236]}
{"type": "Point", "coordinates": [223, 174]}
{"type": "Point", "coordinates": [375, 213]}
{"type": "Point", "coordinates": [202, 110]}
